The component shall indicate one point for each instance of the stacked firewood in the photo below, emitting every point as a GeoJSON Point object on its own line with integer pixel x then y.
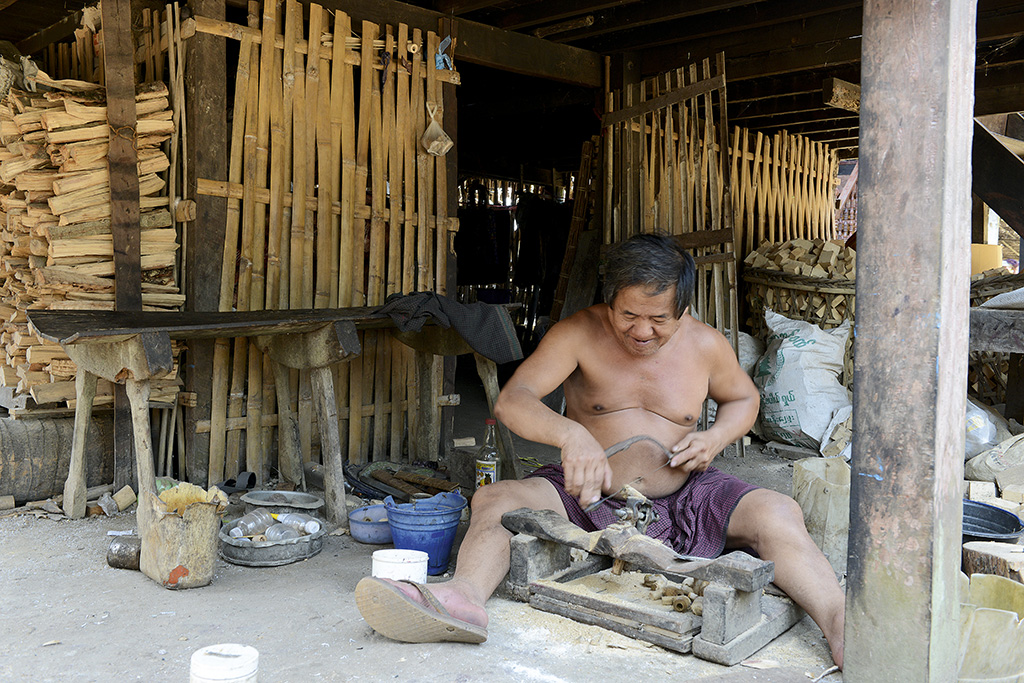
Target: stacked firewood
{"type": "Point", "coordinates": [809, 258]}
{"type": "Point", "coordinates": [55, 239]}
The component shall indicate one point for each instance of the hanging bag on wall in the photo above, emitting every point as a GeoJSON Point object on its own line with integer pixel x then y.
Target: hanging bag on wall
{"type": "Point", "coordinates": [434, 139]}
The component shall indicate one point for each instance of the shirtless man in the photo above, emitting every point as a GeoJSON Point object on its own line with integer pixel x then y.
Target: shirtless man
{"type": "Point", "coordinates": [639, 364]}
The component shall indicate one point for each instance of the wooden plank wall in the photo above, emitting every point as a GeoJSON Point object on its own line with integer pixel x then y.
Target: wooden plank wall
{"type": "Point", "coordinates": [665, 172]}
{"type": "Point", "coordinates": [332, 201]}
{"type": "Point", "coordinates": [784, 188]}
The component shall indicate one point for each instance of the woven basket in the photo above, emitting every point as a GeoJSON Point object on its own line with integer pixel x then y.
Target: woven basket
{"type": "Point", "coordinates": [987, 370]}
{"type": "Point", "coordinates": [823, 301]}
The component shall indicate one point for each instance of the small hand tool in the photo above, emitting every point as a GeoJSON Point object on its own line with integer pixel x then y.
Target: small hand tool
{"type": "Point", "coordinates": [621, 446]}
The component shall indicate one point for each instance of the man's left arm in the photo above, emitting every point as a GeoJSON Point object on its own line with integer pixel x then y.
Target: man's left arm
{"type": "Point", "coordinates": [738, 401]}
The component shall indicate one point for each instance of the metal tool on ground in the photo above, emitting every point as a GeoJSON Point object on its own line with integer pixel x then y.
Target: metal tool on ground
{"type": "Point", "coordinates": [618, 448]}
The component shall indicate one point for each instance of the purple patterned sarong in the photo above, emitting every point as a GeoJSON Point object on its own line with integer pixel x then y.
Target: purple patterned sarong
{"type": "Point", "coordinates": [691, 521]}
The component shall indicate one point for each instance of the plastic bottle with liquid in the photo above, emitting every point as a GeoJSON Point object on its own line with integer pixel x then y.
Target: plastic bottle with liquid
{"type": "Point", "coordinates": [281, 532]}
{"type": "Point", "coordinates": [487, 464]}
{"type": "Point", "coordinates": [256, 522]}
{"type": "Point", "coordinates": [302, 523]}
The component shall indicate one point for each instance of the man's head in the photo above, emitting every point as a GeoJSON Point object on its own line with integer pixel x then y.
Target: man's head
{"type": "Point", "coordinates": [654, 262]}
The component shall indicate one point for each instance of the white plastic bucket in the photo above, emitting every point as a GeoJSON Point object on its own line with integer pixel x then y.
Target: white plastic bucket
{"type": "Point", "coordinates": [225, 663]}
{"type": "Point", "coordinates": [400, 565]}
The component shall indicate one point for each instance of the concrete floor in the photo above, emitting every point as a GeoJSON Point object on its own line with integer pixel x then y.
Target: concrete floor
{"type": "Point", "coordinates": [70, 617]}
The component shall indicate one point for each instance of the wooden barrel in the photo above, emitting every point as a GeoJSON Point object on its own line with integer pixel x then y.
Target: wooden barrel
{"type": "Point", "coordinates": [35, 453]}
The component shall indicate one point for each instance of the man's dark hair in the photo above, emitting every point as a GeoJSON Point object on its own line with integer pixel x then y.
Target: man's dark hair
{"type": "Point", "coordinates": [654, 261]}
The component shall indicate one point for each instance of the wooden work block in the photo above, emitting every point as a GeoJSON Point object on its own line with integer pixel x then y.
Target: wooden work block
{"type": "Point", "coordinates": [802, 244]}
{"type": "Point", "coordinates": [791, 267]}
{"type": "Point", "coordinates": [818, 271]}
{"type": "Point", "coordinates": [1014, 492]}
{"type": "Point", "coordinates": [827, 258]}
{"type": "Point", "coordinates": [797, 252]}
{"type": "Point", "coordinates": [981, 490]}
{"type": "Point", "coordinates": [990, 557]}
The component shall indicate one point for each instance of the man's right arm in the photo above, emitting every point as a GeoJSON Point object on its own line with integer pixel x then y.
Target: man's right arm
{"type": "Point", "coordinates": [520, 408]}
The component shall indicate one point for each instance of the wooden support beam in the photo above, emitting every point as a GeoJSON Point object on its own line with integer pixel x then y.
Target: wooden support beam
{"type": "Point", "coordinates": [902, 607]}
{"type": "Point", "coordinates": [206, 157]}
{"type": "Point", "coordinates": [119, 67]}
{"type": "Point", "coordinates": [998, 176]}
{"type": "Point", "coordinates": [487, 45]}
{"type": "Point", "coordinates": [841, 94]}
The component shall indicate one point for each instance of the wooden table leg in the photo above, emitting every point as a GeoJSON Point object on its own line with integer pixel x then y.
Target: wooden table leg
{"type": "Point", "coordinates": [330, 445]}
{"type": "Point", "coordinates": [511, 468]}
{"type": "Point", "coordinates": [138, 397]}
{"type": "Point", "coordinates": [289, 450]}
{"type": "Point", "coordinates": [74, 487]}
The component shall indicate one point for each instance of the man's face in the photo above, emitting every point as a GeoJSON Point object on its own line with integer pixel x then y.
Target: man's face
{"type": "Point", "coordinates": [643, 323]}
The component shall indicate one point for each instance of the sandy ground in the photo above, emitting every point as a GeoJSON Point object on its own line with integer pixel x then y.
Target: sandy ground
{"type": "Point", "coordinates": [71, 617]}
{"type": "Point", "coordinates": [68, 616]}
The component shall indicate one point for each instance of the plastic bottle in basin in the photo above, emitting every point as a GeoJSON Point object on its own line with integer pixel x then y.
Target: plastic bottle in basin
{"type": "Point", "coordinates": [256, 522]}
{"type": "Point", "coordinates": [300, 522]}
{"type": "Point", "coordinates": [281, 532]}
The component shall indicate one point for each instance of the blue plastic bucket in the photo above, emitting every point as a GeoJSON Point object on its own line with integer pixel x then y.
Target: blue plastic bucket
{"type": "Point", "coordinates": [428, 525]}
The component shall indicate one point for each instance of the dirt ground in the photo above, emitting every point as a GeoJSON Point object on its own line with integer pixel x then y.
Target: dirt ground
{"type": "Point", "coordinates": [70, 617]}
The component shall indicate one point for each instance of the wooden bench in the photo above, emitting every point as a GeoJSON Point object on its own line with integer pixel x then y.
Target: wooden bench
{"type": "Point", "coordinates": [132, 348]}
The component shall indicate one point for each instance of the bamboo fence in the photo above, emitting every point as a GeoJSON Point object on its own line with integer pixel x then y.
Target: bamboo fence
{"type": "Point", "coordinates": [332, 202]}
{"type": "Point", "coordinates": [783, 188]}
{"type": "Point", "coordinates": [665, 147]}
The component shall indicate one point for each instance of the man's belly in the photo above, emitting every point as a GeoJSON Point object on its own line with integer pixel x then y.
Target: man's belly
{"type": "Point", "coordinates": [641, 460]}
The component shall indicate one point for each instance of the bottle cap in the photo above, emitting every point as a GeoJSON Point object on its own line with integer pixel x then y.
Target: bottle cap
{"type": "Point", "coordinates": [490, 421]}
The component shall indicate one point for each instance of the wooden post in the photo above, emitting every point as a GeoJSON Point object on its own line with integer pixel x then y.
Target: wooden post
{"type": "Point", "coordinates": [902, 615]}
{"type": "Point", "coordinates": [74, 487]}
{"type": "Point", "coordinates": [206, 102]}
{"type": "Point", "coordinates": [118, 57]}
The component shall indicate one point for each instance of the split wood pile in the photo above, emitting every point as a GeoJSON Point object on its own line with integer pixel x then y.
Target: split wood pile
{"type": "Point", "coordinates": [333, 201]}
{"type": "Point", "coordinates": [811, 280]}
{"type": "Point", "coordinates": [783, 188]}
{"type": "Point", "coordinates": [57, 248]}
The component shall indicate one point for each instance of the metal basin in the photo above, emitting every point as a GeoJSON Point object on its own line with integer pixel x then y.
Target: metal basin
{"type": "Point", "coordinates": [268, 553]}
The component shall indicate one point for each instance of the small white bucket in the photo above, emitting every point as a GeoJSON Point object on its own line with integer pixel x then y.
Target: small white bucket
{"type": "Point", "coordinates": [225, 663]}
{"type": "Point", "coordinates": [400, 565]}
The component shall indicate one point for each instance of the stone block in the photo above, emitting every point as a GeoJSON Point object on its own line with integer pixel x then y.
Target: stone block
{"type": "Point", "coordinates": [1013, 492]}
{"type": "Point", "coordinates": [981, 490]}
{"type": "Point", "coordinates": [728, 612]}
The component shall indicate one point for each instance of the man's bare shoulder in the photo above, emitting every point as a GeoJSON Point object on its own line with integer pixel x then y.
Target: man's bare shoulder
{"type": "Point", "coordinates": [587, 321]}
{"type": "Point", "coordinates": [704, 337]}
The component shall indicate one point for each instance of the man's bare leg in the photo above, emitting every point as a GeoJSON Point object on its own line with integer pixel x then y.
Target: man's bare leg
{"type": "Point", "coordinates": [484, 554]}
{"type": "Point", "coordinates": [773, 525]}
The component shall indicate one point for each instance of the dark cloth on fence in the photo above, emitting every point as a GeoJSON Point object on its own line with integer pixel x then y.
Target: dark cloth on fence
{"type": "Point", "coordinates": [691, 521]}
{"type": "Point", "coordinates": [485, 327]}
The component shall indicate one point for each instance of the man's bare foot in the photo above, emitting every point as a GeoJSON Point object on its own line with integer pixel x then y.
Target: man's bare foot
{"type": "Point", "coordinates": [836, 638]}
{"type": "Point", "coordinates": [454, 596]}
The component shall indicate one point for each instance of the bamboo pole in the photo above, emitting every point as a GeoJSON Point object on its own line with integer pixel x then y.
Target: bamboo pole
{"type": "Point", "coordinates": [395, 161]}
{"type": "Point", "coordinates": [347, 239]}
{"type": "Point", "coordinates": [222, 348]}
{"type": "Point", "coordinates": [325, 188]}
{"type": "Point", "coordinates": [334, 122]}
{"type": "Point", "coordinates": [240, 357]}
{"type": "Point", "coordinates": [406, 134]}
{"type": "Point", "coordinates": [299, 170]}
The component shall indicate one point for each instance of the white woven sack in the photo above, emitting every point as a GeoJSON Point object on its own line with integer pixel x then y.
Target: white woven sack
{"type": "Point", "coordinates": [798, 377]}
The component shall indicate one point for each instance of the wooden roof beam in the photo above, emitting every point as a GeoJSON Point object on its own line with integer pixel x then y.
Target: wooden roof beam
{"type": "Point", "coordinates": [489, 46]}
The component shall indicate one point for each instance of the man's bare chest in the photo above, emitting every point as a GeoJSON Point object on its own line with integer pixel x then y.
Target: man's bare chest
{"type": "Point", "coordinates": [672, 388]}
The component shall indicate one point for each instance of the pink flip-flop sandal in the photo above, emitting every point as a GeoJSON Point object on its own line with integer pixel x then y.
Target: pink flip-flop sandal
{"type": "Point", "coordinates": [395, 615]}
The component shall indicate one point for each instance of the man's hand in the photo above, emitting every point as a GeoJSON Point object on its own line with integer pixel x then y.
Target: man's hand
{"type": "Point", "coordinates": [586, 468]}
{"type": "Point", "coordinates": [694, 452]}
